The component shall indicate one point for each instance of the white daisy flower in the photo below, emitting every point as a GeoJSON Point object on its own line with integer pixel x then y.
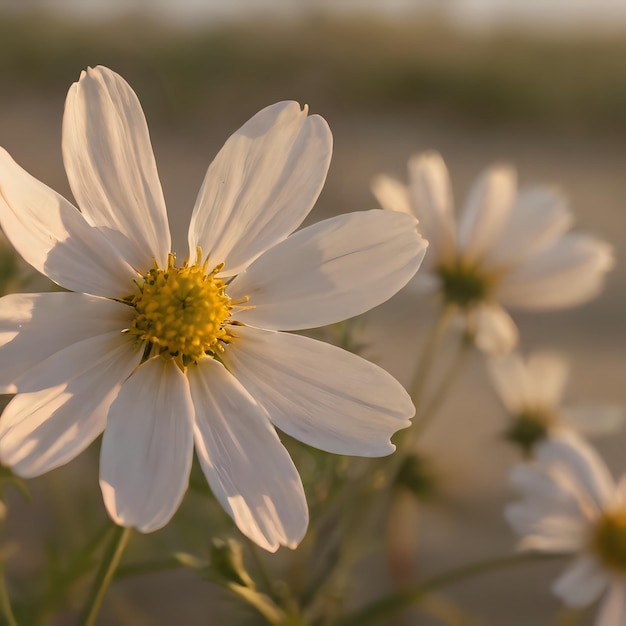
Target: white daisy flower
{"type": "Point", "coordinates": [509, 248]}
{"type": "Point", "coordinates": [572, 505]}
{"type": "Point", "coordinates": [531, 390]}
{"type": "Point", "coordinates": [169, 354]}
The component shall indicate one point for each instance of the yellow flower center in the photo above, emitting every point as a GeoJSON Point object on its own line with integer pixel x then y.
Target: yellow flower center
{"type": "Point", "coordinates": [181, 311]}
{"type": "Point", "coordinates": [464, 285]}
{"type": "Point", "coordinates": [609, 540]}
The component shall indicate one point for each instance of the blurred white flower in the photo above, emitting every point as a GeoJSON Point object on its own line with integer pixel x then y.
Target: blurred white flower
{"type": "Point", "coordinates": [531, 391]}
{"type": "Point", "coordinates": [166, 355]}
{"type": "Point", "coordinates": [572, 505]}
{"type": "Point", "coordinates": [509, 248]}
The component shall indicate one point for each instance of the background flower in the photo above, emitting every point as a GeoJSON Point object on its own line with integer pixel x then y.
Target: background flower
{"type": "Point", "coordinates": [531, 390]}
{"type": "Point", "coordinates": [572, 505]}
{"type": "Point", "coordinates": [508, 247]}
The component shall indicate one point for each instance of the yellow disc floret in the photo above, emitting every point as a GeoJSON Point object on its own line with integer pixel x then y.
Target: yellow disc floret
{"type": "Point", "coordinates": [609, 540]}
{"type": "Point", "coordinates": [180, 311]}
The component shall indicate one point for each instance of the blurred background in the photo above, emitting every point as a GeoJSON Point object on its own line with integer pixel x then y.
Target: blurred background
{"type": "Point", "coordinates": [538, 84]}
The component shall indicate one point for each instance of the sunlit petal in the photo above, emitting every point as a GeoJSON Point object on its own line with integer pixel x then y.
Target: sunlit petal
{"type": "Point", "coordinates": [249, 470]}
{"type": "Point", "coordinates": [111, 168]}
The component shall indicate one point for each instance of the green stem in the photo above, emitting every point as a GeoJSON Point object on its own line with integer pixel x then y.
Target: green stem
{"type": "Point", "coordinates": [440, 394]}
{"type": "Point", "coordinates": [405, 439]}
{"type": "Point", "coordinates": [266, 578]}
{"type": "Point", "coordinates": [5, 602]}
{"type": "Point", "coordinates": [104, 576]}
{"type": "Point", "coordinates": [401, 600]}
{"type": "Point", "coordinates": [429, 352]}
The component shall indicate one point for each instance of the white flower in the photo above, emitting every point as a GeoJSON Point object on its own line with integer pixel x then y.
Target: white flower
{"type": "Point", "coordinates": [167, 355]}
{"type": "Point", "coordinates": [572, 505]}
{"type": "Point", "coordinates": [531, 391]}
{"type": "Point", "coordinates": [509, 248]}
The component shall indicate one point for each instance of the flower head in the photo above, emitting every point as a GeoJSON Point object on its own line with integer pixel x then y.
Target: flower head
{"type": "Point", "coordinates": [509, 247]}
{"type": "Point", "coordinates": [173, 354]}
{"type": "Point", "coordinates": [572, 505]}
{"type": "Point", "coordinates": [531, 390]}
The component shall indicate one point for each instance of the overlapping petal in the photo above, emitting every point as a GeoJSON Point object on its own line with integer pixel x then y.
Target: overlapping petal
{"type": "Point", "coordinates": [431, 195]}
{"type": "Point", "coordinates": [548, 373]}
{"type": "Point", "coordinates": [330, 271]}
{"type": "Point", "coordinates": [34, 326]}
{"type": "Point", "coordinates": [261, 185]}
{"type": "Point", "coordinates": [567, 273]}
{"type": "Point", "coordinates": [613, 607]}
{"type": "Point", "coordinates": [569, 453]}
{"type": "Point", "coordinates": [549, 494]}
{"type": "Point", "coordinates": [494, 330]}
{"type": "Point", "coordinates": [63, 403]}
{"type": "Point", "coordinates": [320, 394]}
{"type": "Point", "coordinates": [539, 216]}
{"type": "Point", "coordinates": [391, 194]}
{"type": "Point", "coordinates": [546, 534]}
{"type": "Point", "coordinates": [247, 467]}
{"type": "Point", "coordinates": [596, 419]}
{"type": "Point", "coordinates": [55, 238]}
{"type": "Point", "coordinates": [147, 447]}
{"type": "Point", "coordinates": [582, 583]}
{"type": "Point", "coordinates": [510, 378]}
{"type": "Point", "coordinates": [486, 211]}
{"type": "Point", "coordinates": [111, 168]}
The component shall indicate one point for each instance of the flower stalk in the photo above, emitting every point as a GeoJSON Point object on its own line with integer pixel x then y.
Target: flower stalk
{"type": "Point", "coordinates": [104, 576]}
{"type": "Point", "coordinates": [403, 599]}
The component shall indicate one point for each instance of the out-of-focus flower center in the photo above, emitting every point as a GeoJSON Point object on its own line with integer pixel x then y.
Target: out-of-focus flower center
{"type": "Point", "coordinates": [180, 311]}
{"type": "Point", "coordinates": [463, 285]}
{"type": "Point", "coordinates": [609, 540]}
{"type": "Point", "coordinates": [529, 428]}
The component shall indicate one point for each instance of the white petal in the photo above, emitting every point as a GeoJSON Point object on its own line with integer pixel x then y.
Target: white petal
{"type": "Point", "coordinates": [547, 494]}
{"type": "Point", "coordinates": [147, 447]}
{"type": "Point", "coordinates": [431, 196]}
{"type": "Point", "coordinates": [65, 403]}
{"type": "Point", "coordinates": [111, 168]}
{"type": "Point", "coordinates": [613, 608]}
{"type": "Point", "coordinates": [547, 373]}
{"type": "Point", "coordinates": [391, 194]}
{"type": "Point", "coordinates": [261, 185]}
{"type": "Point", "coordinates": [510, 379]}
{"type": "Point", "coordinates": [485, 213]}
{"type": "Point", "coordinates": [330, 271]}
{"type": "Point", "coordinates": [594, 420]}
{"type": "Point", "coordinates": [619, 497]}
{"type": "Point", "coordinates": [567, 273]}
{"type": "Point", "coordinates": [539, 216]}
{"type": "Point", "coordinates": [494, 330]}
{"type": "Point", "coordinates": [36, 325]}
{"type": "Point", "coordinates": [581, 583]}
{"type": "Point", "coordinates": [573, 454]}
{"type": "Point", "coordinates": [546, 534]}
{"type": "Point", "coordinates": [249, 470]}
{"type": "Point", "coordinates": [54, 237]}
{"type": "Point", "coordinates": [318, 393]}
{"type": "Point", "coordinates": [532, 385]}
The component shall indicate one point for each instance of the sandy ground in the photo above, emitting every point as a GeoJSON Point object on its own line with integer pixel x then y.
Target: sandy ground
{"type": "Point", "coordinates": [464, 442]}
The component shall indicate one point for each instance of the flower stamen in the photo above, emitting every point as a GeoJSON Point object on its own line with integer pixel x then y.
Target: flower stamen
{"type": "Point", "coordinates": [609, 539]}
{"type": "Point", "coordinates": [182, 312]}
{"type": "Point", "coordinates": [463, 285]}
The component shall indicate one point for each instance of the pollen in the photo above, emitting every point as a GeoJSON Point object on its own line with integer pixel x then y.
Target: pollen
{"type": "Point", "coordinates": [181, 311]}
{"type": "Point", "coordinates": [609, 540]}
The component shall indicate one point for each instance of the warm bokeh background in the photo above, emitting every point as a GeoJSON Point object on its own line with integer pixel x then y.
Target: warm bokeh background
{"type": "Point", "coordinates": [553, 103]}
